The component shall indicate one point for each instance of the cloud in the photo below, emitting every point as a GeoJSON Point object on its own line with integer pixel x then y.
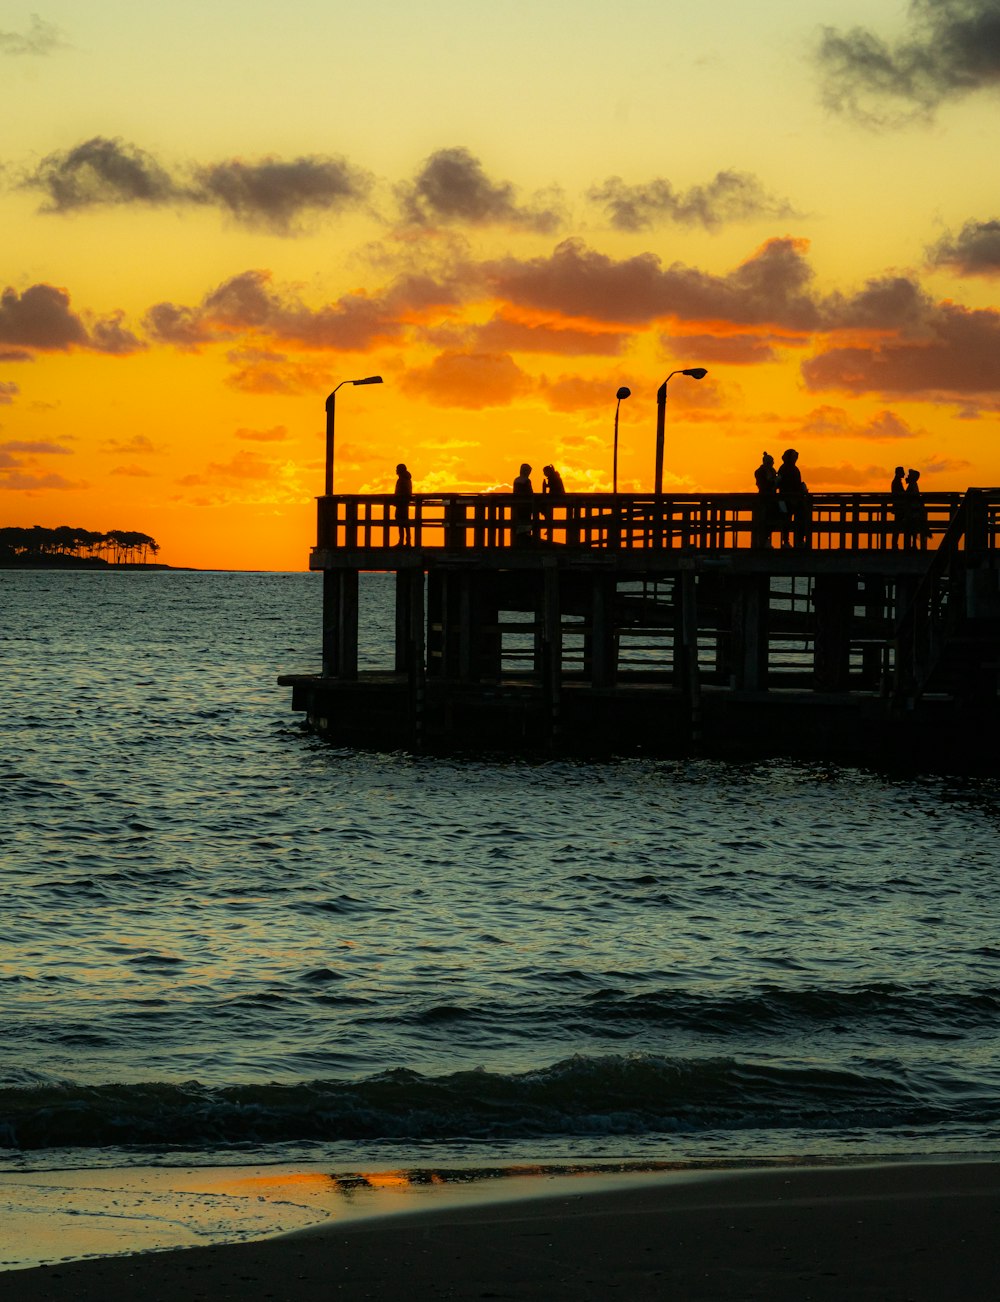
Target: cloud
{"type": "Point", "coordinates": [8, 391]}
{"type": "Point", "coordinates": [260, 371]}
{"type": "Point", "coordinates": [180, 326]}
{"type": "Point", "coordinates": [504, 334]}
{"type": "Point", "coordinates": [835, 422]}
{"type": "Point", "coordinates": [100, 172]}
{"type": "Point", "coordinates": [39, 40]}
{"type": "Point", "coordinates": [729, 197]}
{"type": "Point", "coordinates": [249, 305]}
{"type": "Point", "coordinates": [952, 48]}
{"type": "Point", "coordinates": [451, 186]}
{"type": "Point", "coordinates": [276, 195]}
{"type": "Point", "coordinates": [277, 434]}
{"type": "Point", "coordinates": [732, 350]}
{"type": "Point", "coordinates": [41, 319]}
{"type": "Point", "coordinates": [847, 476]}
{"type": "Point", "coordinates": [571, 393]}
{"type": "Point", "coordinates": [137, 445]}
{"type": "Point", "coordinates": [244, 465]}
{"type": "Point", "coordinates": [974, 251]}
{"type": "Point", "coordinates": [958, 354]}
{"type": "Point", "coordinates": [471, 380]}
{"type": "Point", "coordinates": [270, 194]}
{"type": "Point", "coordinates": [772, 287]}
{"type": "Point", "coordinates": [28, 483]}
{"type": "Point", "coordinates": [35, 448]}
{"type": "Point", "coordinates": [132, 472]}
{"type": "Point", "coordinates": [109, 335]}
{"type": "Point", "coordinates": [943, 466]}
{"type": "Point", "coordinates": [15, 355]}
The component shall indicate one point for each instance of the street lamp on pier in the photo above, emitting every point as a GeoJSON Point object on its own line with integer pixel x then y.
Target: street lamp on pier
{"type": "Point", "coordinates": [330, 413]}
{"type": "Point", "coordinates": [696, 373]}
{"type": "Point", "coordinates": [623, 392]}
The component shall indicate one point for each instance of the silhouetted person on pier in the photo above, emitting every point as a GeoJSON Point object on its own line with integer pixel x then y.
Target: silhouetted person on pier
{"type": "Point", "coordinates": [915, 531]}
{"type": "Point", "coordinates": [553, 491]}
{"type": "Point", "coordinates": [523, 512]}
{"type": "Point", "coordinates": [793, 500]}
{"type": "Point", "coordinates": [765, 510]}
{"type": "Point", "coordinates": [898, 490]}
{"type": "Point", "coordinates": [552, 483]}
{"type": "Point", "coordinates": [403, 495]}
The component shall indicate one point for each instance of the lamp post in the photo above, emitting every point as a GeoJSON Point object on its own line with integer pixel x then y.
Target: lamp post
{"type": "Point", "coordinates": [696, 373]}
{"type": "Point", "coordinates": [330, 413]}
{"type": "Point", "coordinates": [622, 393]}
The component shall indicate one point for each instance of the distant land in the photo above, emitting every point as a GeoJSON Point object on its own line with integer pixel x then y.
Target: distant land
{"type": "Point", "coordinates": [68, 547]}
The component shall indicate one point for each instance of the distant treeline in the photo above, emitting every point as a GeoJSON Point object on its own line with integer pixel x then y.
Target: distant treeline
{"type": "Point", "coordinates": [116, 547]}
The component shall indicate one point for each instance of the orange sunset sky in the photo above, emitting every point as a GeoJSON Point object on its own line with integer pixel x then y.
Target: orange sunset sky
{"type": "Point", "coordinates": [214, 212]}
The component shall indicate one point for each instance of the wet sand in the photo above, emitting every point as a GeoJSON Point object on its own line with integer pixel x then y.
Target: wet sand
{"type": "Point", "coordinates": [927, 1232]}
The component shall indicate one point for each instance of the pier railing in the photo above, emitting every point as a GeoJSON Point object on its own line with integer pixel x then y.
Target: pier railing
{"type": "Point", "coordinates": [466, 523]}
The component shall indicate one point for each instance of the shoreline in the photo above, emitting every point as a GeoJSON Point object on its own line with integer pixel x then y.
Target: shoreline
{"type": "Point", "coordinates": [922, 1230]}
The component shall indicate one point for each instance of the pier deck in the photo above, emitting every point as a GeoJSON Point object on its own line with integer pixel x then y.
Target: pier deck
{"type": "Point", "coordinates": [663, 624]}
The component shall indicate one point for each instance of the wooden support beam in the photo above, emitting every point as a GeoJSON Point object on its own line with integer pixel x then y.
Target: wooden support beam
{"type": "Point", "coordinates": [340, 623]}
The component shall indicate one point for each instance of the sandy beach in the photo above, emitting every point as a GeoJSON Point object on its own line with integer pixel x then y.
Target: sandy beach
{"type": "Point", "coordinates": [908, 1232]}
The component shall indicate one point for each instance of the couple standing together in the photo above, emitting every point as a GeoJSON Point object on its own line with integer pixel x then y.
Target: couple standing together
{"type": "Point", "coordinates": [784, 501]}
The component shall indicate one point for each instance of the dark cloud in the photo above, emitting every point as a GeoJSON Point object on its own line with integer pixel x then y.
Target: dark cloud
{"type": "Point", "coordinates": [974, 251]}
{"type": "Point", "coordinates": [952, 48]}
{"type": "Point", "coordinates": [40, 39]}
{"type": "Point", "coordinates": [773, 287]}
{"type": "Point", "coordinates": [506, 335]}
{"type": "Point", "coordinates": [180, 326]}
{"type": "Point", "coordinates": [101, 171]}
{"type": "Point", "coordinates": [729, 197]}
{"type": "Point", "coordinates": [8, 392]}
{"type": "Point", "coordinates": [109, 335]}
{"type": "Point", "coordinates": [959, 354]}
{"type": "Point", "coordinates": [452, 186]}
{"type": "Point", "coordinates": [40, 318]}
{"type": "Point", "coordinates": [249, 304]}
{"type": "Point", "coordinates": [276, 194]}
{"type": "Point", "coordinates": [15, 355]}
{"type": "Point", "coordinates": [733, 350]}
{"type": "Point", "coordinates": [271, 194]}
{"type": "Point", "coordinates": [884, 303]}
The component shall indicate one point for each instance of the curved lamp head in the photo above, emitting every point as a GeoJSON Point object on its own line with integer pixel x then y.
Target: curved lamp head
{"type": "Point", "coordinates": [377, 379]}
{"type": "Point", "coordinates": [623, 392]}
{"type": "Point", "coordinates": [695, 372]}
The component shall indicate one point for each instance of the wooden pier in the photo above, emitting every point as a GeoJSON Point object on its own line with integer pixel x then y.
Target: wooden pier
{"type": "Point", "coordinates": [672, 625]}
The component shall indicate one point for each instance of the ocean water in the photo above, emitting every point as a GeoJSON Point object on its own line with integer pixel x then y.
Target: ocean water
{"type": "Point", "coordinates": [224, 940]}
